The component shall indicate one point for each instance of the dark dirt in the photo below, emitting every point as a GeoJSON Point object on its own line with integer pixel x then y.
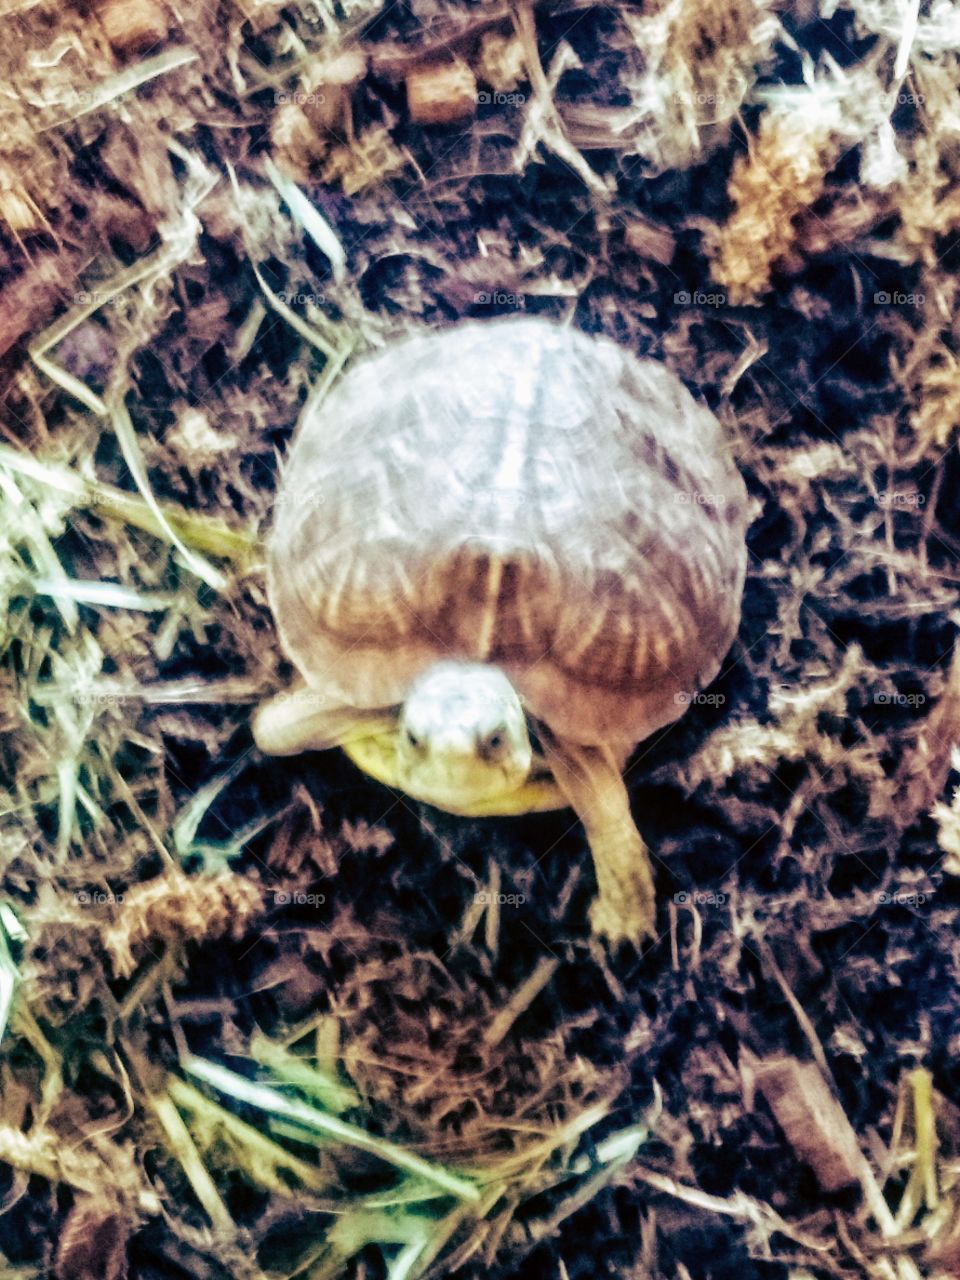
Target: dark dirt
{"type": "Point", "coordinates": [800, 814]}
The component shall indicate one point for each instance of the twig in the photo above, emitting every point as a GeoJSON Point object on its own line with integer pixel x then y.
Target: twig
{"type": "Point", "coordinates": [521, 999]}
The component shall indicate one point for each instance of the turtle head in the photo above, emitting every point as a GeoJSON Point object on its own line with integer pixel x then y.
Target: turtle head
{"type": "Point", "coordinates": [463, 736]}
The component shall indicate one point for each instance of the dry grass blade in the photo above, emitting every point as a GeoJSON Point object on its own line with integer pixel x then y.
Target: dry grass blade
{"type": "Point", "coordinates": [9, 973]}
{"type": "Point", "coordinates": [124, 82]}
{"type": "Point", "coordinates": [319, 338]}
{"type": "Point", "coordinates": [209, 534]}
{"type": "Point", "coordinates": [426, 981]}
{"type": "Point", "coordinates": [123, 426]}
{"type": "Point", "coordinates": [183, 1148]}
{"type": "Point", "coordinates": [266, 1162]}
{"type": "Point", "coordinates": [315, 225]}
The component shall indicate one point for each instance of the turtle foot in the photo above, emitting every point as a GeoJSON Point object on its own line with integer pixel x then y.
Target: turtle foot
{"type": "Point", "coordinates": [626, 905]}
{"type": "Point", "coordinates": [625, 909]}
{"type": "Point", "coordinates": [306, 719]}
{"type": "Point", "coordinates": [630, 919]}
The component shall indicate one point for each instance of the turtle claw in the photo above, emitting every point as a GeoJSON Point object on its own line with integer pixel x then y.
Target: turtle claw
{"type": "Point", "coordinates": [625, 909]}
{"type": "Point", "coordinates": [630, 921]}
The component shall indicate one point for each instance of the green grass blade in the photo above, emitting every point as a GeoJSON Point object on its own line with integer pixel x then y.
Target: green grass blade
{"type": "Point", "coordinates": [267, 1099]}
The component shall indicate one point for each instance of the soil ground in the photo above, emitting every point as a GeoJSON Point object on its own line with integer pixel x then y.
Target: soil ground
{"type": "Point", "coordinates": [203, 211]}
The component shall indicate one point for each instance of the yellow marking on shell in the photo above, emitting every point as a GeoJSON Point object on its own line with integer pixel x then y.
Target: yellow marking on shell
{"type": "Point", "coordinates": [588, 636]}
{"type": "Point", "coordinates": [622, 625]}
{"type": "Point", "coordinates": [488, 620]}
{"type": "Point", "coordinates": [663, 647]}
{"type": "Point", "coordinates": [389, 608]}
{"type": "Point", "coordinates": [639, 654]}
{"type": "Point", "coordinates": [506, 489]}
{"type": "Point", "coordinates": [523, 612]}
{"type": "Point", "coordinates": [334, 595]}
{"type": "Point", "coordinates": [399, 606]}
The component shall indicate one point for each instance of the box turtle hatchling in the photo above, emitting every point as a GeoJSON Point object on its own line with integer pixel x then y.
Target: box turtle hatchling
{"type": "Point", "coordinates": [502, 532]}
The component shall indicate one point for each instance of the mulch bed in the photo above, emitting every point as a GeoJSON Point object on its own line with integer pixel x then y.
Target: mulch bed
{"type": "Point", "coordinates": [203, 212]}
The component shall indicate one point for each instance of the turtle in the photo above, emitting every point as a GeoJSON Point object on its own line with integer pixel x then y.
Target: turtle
{"type": "Point", "coordinates": [503, 553]}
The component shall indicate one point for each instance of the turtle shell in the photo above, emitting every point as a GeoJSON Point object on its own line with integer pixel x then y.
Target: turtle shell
{"type": "Point", "coordinates": [517, 493]}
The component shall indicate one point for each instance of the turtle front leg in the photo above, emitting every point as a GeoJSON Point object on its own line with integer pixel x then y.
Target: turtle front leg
{"type": "Point", "coordinates": [625, 908]}
{"type": "Point", "coordinates": [305, 719]}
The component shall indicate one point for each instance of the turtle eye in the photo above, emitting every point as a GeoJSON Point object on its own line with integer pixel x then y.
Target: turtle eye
{"type": "Point", "coordinates": [412, 739]}
{"type": "Point", "coordinates": [492, 742]}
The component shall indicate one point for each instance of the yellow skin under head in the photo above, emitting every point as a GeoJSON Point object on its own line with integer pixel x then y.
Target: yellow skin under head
{"type": "Point", "coordinates": [462, 737]}
{"type": "Point", "coordinates": [376, 755]}
{"type": "Point", "coordinates": [460, 742]}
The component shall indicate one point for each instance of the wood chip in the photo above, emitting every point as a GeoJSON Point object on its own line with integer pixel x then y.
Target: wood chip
{"type": "Point", "coordinates": [93, 1241]}
{"type": "Point", "coordinates": [297, 145]}
{"type": "Point", "coordinates": [134, 26]}
{"type": "Point", "coordinates": [28, 302]}
{"type": "Point", "coordinates": [329, 100]}
{"type": "Point", "coordinates": [17, 208]}
{"type": "Point", "coordinates": [813, 1121]}
{"type": "Point", "coordinates": [500, 62]}
{"type": "Point", "coordinates": [441, 93]}
{"type": "Point", "coordinates": [650, 240]}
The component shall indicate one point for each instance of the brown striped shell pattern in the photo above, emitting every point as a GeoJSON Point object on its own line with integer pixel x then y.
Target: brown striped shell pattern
{"type": "Point", "coordinates": [521, 494]}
